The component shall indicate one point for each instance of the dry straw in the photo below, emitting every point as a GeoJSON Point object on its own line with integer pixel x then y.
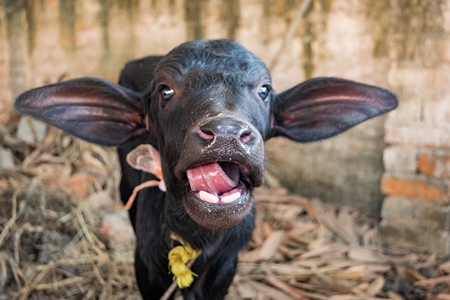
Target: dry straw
{"type": "Point", "coordinates": [51, 246]}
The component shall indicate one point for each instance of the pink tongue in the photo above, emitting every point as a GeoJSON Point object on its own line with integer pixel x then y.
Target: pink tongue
{"type": "Point", "coordinates": [210, 178]}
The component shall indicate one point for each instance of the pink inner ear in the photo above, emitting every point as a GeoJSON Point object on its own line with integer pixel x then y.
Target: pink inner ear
{"type": "Point", "coordinates": [146, 158]}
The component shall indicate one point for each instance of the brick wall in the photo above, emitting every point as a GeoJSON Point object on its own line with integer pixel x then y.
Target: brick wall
{"type": "Point", "coordinates": [42, 41]}
{"type": "Point", "coordinates": [416, 182]}
{"type": "Point", "coordinates": [400, 45]}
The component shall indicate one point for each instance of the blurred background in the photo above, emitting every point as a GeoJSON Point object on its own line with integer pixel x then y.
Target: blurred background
{"type": "Point", "coordinates": [395, 167]}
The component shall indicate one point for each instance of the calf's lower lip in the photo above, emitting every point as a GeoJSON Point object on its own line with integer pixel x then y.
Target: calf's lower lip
{"type": "Point", "coordinates": [218, 194]}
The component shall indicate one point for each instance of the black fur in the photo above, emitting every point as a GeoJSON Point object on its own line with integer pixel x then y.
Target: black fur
{"type": "Point", "coordinates": [222, 109]}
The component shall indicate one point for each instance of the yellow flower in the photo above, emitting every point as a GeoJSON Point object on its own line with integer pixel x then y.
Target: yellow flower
{"type": "Point", "coordinates": [178, 258]}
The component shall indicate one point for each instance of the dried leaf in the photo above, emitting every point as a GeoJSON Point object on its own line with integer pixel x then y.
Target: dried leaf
{"type": "Point", "coordinates": [352, 273]}
{"type": "Point", "coordinates": [270, 245]}
{"type": "Point", "coordinates": [349, 297]}
{"type": "Point", "coordinates": [269, 291]}
{"type": "Point", "coordinates": [376, 286]}
{"type": "Point", "coordinates": [366, 255]}
{"type": "Point", "coordinates": [394, 296]}
{"type": "Point", "coordinates": [408, 273]}
{"type": "Point", "coordinates": [320, 250]}
{"type": "Point", "coordinates": [445, 267]}
{"type": "Point", "coordinates": [430, 283]}
{"type": "Point", "coordinates": [336, 266]}
{"type": "Point", "coordinates": [266, 229]}
{"type": "Point", "coordinates": [293, 292]}
{"type": "Point", "coordinates": [246, 291]}
{"type": "Point", "coordinates": [249, 256]}
{"type": "Point", "coordinates": [327, 217]}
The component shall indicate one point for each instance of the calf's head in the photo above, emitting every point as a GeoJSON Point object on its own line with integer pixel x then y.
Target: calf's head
{"type": "Point", "coordinates": [208, 107]}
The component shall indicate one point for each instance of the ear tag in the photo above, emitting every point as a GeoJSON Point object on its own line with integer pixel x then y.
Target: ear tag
{"type": "Point", "coordinates": [145, 158]}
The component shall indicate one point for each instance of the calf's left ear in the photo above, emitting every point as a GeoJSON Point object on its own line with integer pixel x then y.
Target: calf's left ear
{"type": "Point", "coordinates": [320, 108]}
{"type": "Point", "coordinates": [93, 109]}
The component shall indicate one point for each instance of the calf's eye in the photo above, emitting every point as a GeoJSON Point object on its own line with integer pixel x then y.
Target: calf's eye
{"type": "Point", "coordinates": [264, 92]}
{"type": "Point", "coordinates": [166, 92]}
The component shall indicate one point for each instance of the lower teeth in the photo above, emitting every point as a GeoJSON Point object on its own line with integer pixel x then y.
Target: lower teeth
{"type": "Point", "coordinates": [205, 196]}
{"type": "Point", "coordinates": [231, 198]}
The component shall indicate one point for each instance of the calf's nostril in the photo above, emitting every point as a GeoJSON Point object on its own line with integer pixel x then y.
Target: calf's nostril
{"type": "Point", "coordinates": [205, 133]}
{"type": "Point", "coordinates": [247, 136]}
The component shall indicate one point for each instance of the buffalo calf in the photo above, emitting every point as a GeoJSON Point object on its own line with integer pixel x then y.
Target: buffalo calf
{"type": "Point", "coordinates": [207, 107]}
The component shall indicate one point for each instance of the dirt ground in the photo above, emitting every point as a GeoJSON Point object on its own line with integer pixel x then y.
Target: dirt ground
{"type": "Point", "coordinates": [64, 235]}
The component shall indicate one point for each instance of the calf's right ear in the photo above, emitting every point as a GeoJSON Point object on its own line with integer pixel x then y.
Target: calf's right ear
{"type": "Point", "coordinates": [93, 109]}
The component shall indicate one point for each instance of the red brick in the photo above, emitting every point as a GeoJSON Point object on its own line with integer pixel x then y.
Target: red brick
{"type": "Point", "coordinates": [434, 165]}
{"type": "Point", "coordinates": [413, 189]}
{"type": "Point", "coordinates": [426, 164]}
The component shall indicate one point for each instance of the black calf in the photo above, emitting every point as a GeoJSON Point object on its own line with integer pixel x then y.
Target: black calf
{"type": "Point", "coordinates": [208, 107]}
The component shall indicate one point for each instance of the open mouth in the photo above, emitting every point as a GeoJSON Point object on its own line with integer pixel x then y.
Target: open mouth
{"type": "Point", "coordinates": [216, 182]}
{"type": "Point", "coordinates": [219, 194]}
